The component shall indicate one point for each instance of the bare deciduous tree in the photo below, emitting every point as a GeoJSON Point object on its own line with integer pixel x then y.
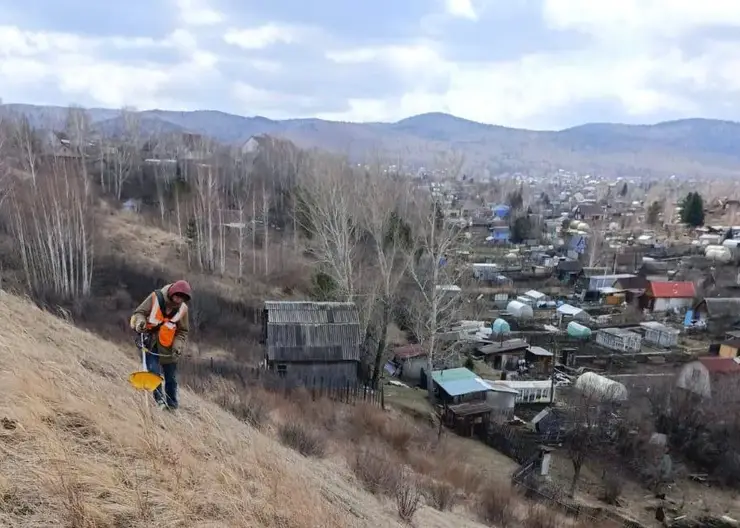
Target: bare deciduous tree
{"type": "Point", "coordinates": [590, 422]}
{"type": "Point", "coordinates": [78, 129]}
{"type": "Point", "coordinates": [326, 210]}
{"type": "Point", "coordinates": [438, 298]}
{"type": "Point", "coordinates": [26, 147]}
{"type": "Point", "coordinates": [52, 221]}
{"type": "Point", "coordinates": [383, 212]}
{"type": "Point", "coordinates": [125, 157]}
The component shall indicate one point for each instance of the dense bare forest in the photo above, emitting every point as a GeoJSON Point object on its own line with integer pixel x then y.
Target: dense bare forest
{"type": "Point", "coordinates": [263, 215]}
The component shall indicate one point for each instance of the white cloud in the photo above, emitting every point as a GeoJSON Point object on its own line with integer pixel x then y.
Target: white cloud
{"type": "Point", "coordinates": [263, 36]}
{"type": "Point", "coordinates": [634, 55]}
{"type": "Point", "coordinates": [198, 13]}
{"type": "Point", "coordinates": [76, 66]}
{"type": "Point", "coordinates": [519, 92]}
{"type": "Point", "coordinates": [461, 8]}
{"type": "Point", "coordinates": [644, 18]}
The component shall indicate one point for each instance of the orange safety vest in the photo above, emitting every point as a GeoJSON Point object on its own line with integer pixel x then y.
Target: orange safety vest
{"type": "Point", "coordinates": [165, 327]}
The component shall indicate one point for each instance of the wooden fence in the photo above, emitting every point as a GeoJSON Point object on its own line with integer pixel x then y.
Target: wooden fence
{"type": "Point", "coordinates": [247, 376]}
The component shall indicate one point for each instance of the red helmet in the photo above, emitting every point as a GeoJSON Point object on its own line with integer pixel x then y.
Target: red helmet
{"type": "Point", "coordinates": [180, 287]}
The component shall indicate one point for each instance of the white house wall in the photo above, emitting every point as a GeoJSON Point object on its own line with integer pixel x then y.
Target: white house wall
{"type": "Point", "coordinates": [665, 305]}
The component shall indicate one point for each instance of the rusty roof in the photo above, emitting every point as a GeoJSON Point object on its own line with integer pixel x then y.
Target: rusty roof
{"type": "Point", "coordinates": [720, 365]}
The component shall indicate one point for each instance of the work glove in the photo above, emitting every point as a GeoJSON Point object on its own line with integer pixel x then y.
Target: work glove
{"type": "Point", "coordinates": [140, 326]}
{"type": "Point", "coordinates": [176, 352]}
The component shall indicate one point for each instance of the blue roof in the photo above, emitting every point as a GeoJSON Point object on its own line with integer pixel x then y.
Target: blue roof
{"type": "Point", "coordinates": [459, 381]}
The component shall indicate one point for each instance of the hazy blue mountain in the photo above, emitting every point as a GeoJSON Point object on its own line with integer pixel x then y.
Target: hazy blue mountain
{"type": "Point", "coordinates": [693, 147]}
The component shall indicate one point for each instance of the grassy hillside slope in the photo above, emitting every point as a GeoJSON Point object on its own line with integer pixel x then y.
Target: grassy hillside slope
{"type": "Point", "coordinates": [81, 448]}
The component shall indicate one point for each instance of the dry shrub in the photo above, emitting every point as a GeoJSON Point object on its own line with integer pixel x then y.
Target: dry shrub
{"type": "Point", "coordinates": [613, 486]}
{"type": "Point", "coordinates": [298, 436]}
{"type": "Point", "coordinates": [540, 517]}
{"type": "Point", "coordinates": [370, 421]}
{"type": "Point", "coordinates": [378, 472]}
{"type": "Point", "coordinates": [366, 420]}
{"type": "Point", "coordinates": [408, 497]}
{"type": "Point", "coordinates": [246, 406]}
{"type": "Point", "coordinates": [441, 495]}
{"type": "Point", "coordinates": [462, 476]}
{"type": "Point", "coordinates": [497, 505]}
{"type": "Point", "coordinates": [399, 434]}
{"type": "Point", "coordinates": [320, 411]}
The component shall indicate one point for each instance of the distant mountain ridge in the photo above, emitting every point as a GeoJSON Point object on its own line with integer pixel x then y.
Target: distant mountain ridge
{"type": "Point", "coordinates": [688, 147]}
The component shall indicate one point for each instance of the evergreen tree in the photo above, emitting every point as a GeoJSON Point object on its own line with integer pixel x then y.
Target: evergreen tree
{"type": "Point", "coordinates": [521, 229]}
{"type": "Point", "coordinates": [692, 210]}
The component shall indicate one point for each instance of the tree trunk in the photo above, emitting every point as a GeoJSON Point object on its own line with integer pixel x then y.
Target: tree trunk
{"type": "Point", "coordinates": [430, 382]}
{"type": "Point", "coordinates": [382, 340]}
{"type": "Point", "coordinates": [576, 475]}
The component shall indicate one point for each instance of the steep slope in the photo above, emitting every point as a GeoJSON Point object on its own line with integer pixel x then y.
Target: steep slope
{"type": "Point", "coordinates": [692, 147]}
{"type": "Point", "coordinates": [81, 448]}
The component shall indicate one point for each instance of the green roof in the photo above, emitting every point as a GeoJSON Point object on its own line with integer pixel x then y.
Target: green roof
{"type": "Point", "coordinates": [454, 374]}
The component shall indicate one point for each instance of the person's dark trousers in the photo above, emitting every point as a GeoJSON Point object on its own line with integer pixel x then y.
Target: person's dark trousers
{"type": "Point", "coordinates": [169, 371]}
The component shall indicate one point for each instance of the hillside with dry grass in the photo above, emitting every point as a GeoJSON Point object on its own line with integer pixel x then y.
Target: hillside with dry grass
{"type": "Point", "coordinates": [81, 448]}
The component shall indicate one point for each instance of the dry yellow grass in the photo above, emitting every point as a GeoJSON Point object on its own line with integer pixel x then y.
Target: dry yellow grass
{"type": "Point", "coordinates": [80, 448]}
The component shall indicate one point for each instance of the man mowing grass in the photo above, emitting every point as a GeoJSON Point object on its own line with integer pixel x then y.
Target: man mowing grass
{"type": "Point", "coordinates": [163, 319]}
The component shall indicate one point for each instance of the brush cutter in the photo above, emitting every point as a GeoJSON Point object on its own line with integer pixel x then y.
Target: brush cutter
{"type": "Point", "coordinates": [143, 379]}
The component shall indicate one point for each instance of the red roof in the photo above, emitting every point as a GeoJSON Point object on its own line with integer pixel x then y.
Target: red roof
{"type": "Point", "coordinates": [409, 351]}
{"type": "Point", "coordinates": [720, 365]}
{"type": "Point", "coordinates": [672, 290]}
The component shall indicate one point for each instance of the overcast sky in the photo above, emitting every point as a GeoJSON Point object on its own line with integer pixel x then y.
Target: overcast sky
{"type": "Point", "coordinates": [524, 63]}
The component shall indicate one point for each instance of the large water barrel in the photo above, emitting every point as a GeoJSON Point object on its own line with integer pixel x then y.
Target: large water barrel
{"type": "Point", "coordinates": [578, 330]}
{"type": "Point", "coordinates": [501, 211]}
{"type": "Point", "coordinates": [500, 326]}
{"type": "Point", "coordinates": [520, 310]}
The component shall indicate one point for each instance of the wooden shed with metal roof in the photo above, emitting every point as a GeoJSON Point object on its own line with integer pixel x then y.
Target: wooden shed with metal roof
{"type": "Point", "coordinates": [313, 343]}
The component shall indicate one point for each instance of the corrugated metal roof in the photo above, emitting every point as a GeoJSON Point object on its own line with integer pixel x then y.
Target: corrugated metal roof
{"type": "Point", "coordinates": [312, 331]}
{"type": "Point", "coordinates": [311, 312]}
{"type": "Point", "coordinates": [672, 290]}
{"type": "Point", "coordinates": [464, 386]}
{"type": "Point", "coordinates": [459, 381]}
{"type": "Point", "coordinates": [313, 335]}
{"type": "Point", "coordinates": [453, 374]}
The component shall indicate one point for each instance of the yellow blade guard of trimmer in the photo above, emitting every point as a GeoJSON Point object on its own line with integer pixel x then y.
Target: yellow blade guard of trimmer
{"type": "Point", "coordinates": [144, 380]}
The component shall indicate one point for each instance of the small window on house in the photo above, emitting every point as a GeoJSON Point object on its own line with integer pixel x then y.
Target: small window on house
{"type": "Point", "coordinates": [282, 370]}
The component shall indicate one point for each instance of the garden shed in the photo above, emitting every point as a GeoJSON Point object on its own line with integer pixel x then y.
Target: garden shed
{"type": "Point", "coordinates": [659, 334]}
{"type": "Point", "coordinates": [313, 343]}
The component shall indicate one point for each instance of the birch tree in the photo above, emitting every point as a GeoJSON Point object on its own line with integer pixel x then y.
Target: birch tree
{"type": "Point", "coordinates": [327, 204]}
{"type": "Point", "coordinates": [126, 156]}
{"type": "Point", "coordinates": [26, 147]}
{"type": "Point", "coordinates": [52, 222]}
{"type": "Point", "coordinates": [78, 129]}
{"type": "Point", "coordinates": [435, 275]}
{"type": "Point", "coordinates": [327, 201]}
{"type": "Point", "coordinates": [383, 211]}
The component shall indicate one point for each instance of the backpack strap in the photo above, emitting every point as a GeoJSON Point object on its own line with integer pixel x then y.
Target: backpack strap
{"type": "Point", "coordinates": [161, 302]}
